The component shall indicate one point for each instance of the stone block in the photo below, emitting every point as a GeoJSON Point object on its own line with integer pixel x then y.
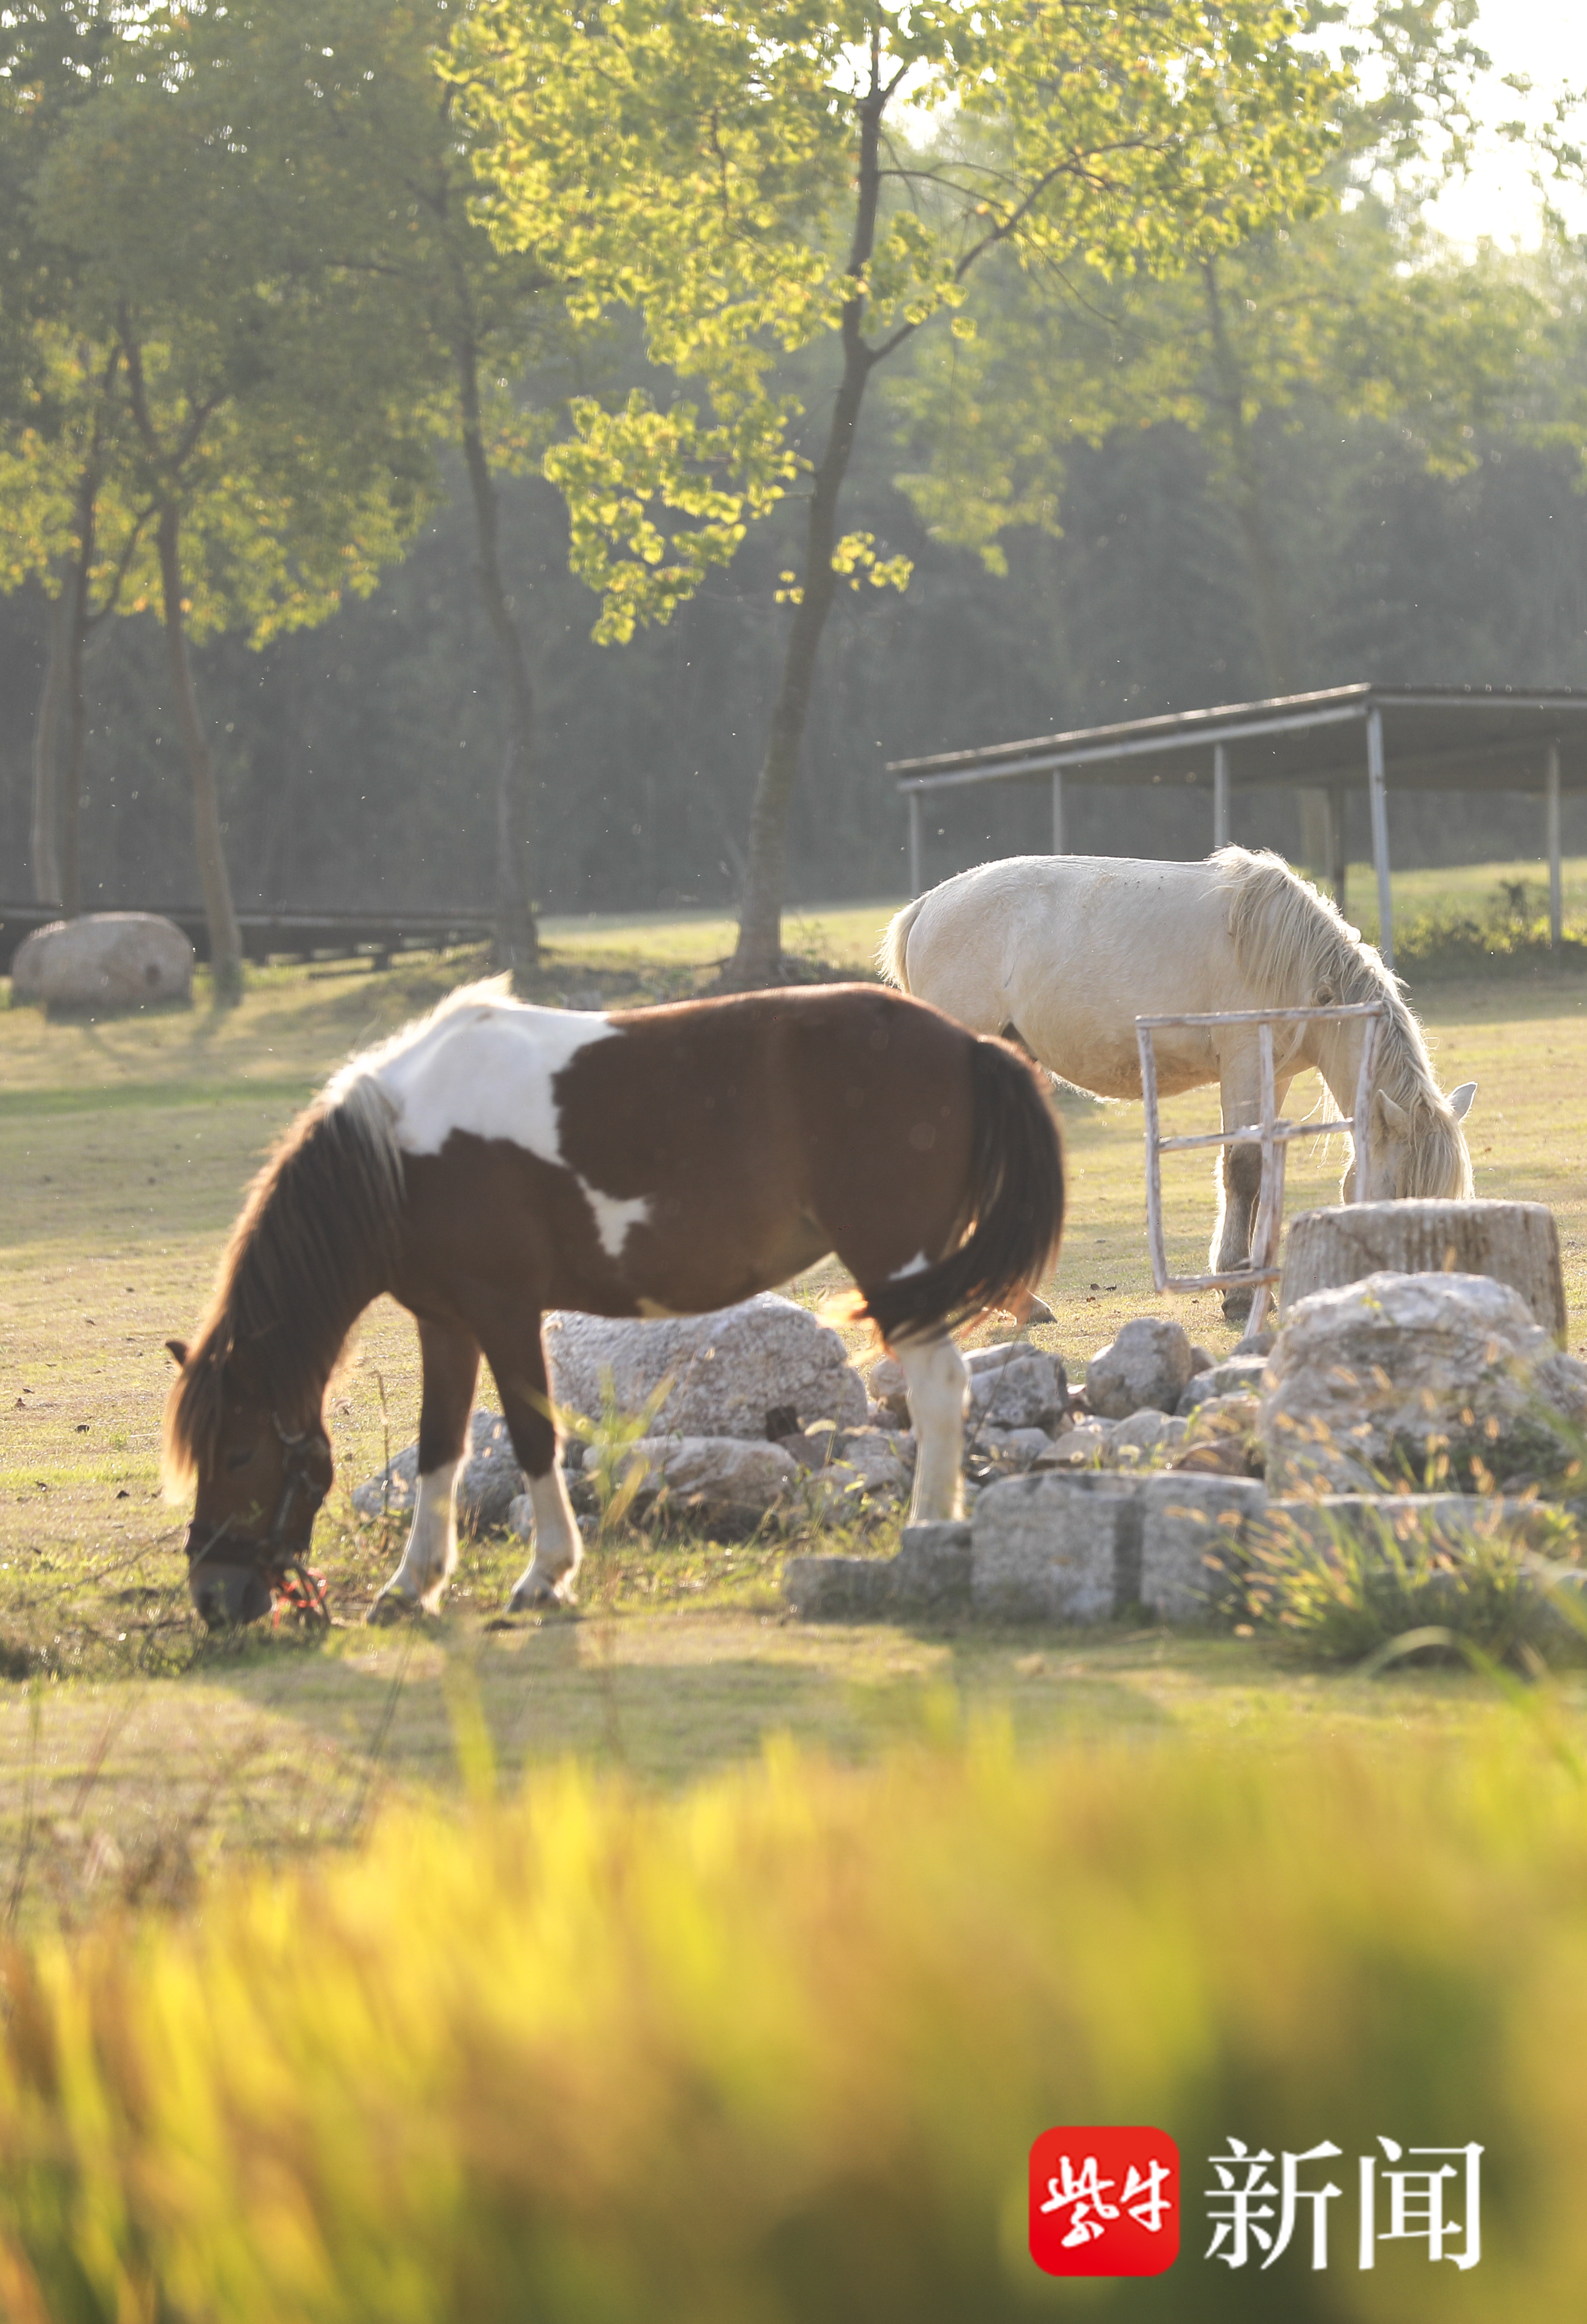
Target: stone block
{"type": "Point", "coordinates": [1185, 1521]}
{"type": "Point", "coordinates": [1057, 1549]}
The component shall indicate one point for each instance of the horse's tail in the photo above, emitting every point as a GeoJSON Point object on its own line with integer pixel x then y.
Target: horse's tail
{"type": "Point", "coordinates": [1014, 1203]}
{"type": "Point", "coordinates": [893, 951]}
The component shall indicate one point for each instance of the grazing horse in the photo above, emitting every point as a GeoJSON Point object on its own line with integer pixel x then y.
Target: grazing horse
{"type": "Point", "coordinates": [1064, 952]}
{"type": "Point", "coordinates": [493, 1161]}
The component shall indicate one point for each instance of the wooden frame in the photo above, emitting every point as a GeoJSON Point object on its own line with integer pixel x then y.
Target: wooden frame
{"type": "Point", "coordinates": [1262, 1271]}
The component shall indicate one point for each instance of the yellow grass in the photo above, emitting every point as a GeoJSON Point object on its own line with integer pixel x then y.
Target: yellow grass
{"type": "Point", "coordinates": [774, 2053]}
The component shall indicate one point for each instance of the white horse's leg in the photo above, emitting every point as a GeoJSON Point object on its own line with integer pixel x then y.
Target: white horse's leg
{"type": "Point", "coordinates": [547, 1579]}
{"type": "Point", "coordinates": [450, 1355]}
{"type": "Point", "coordinates": [430, 1555]}
{"type": "Point", "coordinates": [938, 1384]}
{"type": "Point", "coordinates": [1240, 1174]}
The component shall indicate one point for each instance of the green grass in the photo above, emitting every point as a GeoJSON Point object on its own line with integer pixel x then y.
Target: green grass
{"type": "Point", "coordinates": [683, 1960]}
{"type": "Point", "coordinates": [125, 1146]}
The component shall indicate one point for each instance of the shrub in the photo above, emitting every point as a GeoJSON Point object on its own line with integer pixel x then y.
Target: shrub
{"type": "Point", "coordinates": [1343, 1591]}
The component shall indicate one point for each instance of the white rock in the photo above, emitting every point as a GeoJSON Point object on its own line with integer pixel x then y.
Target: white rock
{"type": "Point", "coordinates": [1148, 1364]}
{"type": "Point", "coordinates": [119, 958]}
{"type": "Point", "coordinates": [490, 1481]}
{"type": "Point", "coordinates": [1365, 1377]}
{"type": "Point", "coordinates": [1239, 1376]}
{"type": "Point", "coordinates": [871, 1459]}
{"type": "Point", "coordinates": [714, 1481]}
{"type": "Point", "coordinates": [1016, 1447]}
{"type": "Point", "coordinates": [1025, 1389]}
{"type": "Point", "coordinates": [994, 1358]}
{"type": "Point", "coordinates": [1144, 1431]}
{"type": "Point", "coordinates": [731, 1372]}
{"type": "Point", "coordinates": [1080, 1447]}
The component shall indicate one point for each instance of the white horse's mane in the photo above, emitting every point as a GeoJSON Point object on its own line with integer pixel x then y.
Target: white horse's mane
{"type": "Point", "coordinates": [1289, 939]}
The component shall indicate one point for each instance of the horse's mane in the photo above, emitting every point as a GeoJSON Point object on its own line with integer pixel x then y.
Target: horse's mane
{"type": "Point", "coordinates": [1292, 942]}
{"type": "Point", "coordinates": [311, 1248]}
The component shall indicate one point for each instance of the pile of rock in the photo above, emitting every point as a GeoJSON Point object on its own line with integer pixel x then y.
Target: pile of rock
{"type": "Point", "coordinates": [1147, 1489]}
{"type": "Point", "coordinates": [748, 1411]}
{"type": "Point", "coordinates": [1178, 1471]}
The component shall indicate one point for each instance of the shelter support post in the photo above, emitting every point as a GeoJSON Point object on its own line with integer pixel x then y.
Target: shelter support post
{"type": "Point", "coordinates": [1060, 844]}
{"type": "Point", "coordinates": [1378, 791]}
{"type": "Point", "coordinates": [1220, 795]}
{"type": "Point", "coordinates": [917, 881]}
{"type": "Point", "coordinates": [1337, 858]}
{"type": "Point", "coordinates": [1556, 867]}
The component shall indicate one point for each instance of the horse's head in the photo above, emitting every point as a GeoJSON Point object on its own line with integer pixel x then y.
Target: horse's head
{"type": "Point", "coordinates": [260, 1476]}
{"type": "Point", "coordinates": [1416, 1152]}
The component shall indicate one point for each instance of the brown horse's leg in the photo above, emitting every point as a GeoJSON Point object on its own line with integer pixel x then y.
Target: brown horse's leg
{"type": "Point", "coordinates": [937, 1382]}
{"type": "Point", "coordinates": [513, 1351]}
{"type": "Point", "coordinates": [450, 1353]}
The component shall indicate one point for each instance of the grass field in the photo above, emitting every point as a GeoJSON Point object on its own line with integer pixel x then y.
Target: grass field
{"type": "Point", "coordinates": [125, 1145]}
{"type": "Point", "coordinates": [693, 1961]}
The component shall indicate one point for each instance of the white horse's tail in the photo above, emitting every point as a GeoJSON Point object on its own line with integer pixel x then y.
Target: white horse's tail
{"type": "Point", "coordinates": [893, 951]}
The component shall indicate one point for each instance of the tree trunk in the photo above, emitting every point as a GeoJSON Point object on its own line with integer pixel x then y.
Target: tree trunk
{"type": "Point", "coordinates": [756, 958]}
{"type": "Point", "coordinates": [1269, 595]}
{"type": "Point", "coordinates": [44, 836]}
{"type": "Point", "coordinates": [1517, 1242]}
{"type": "Point", "coordinates": [225, 942]}
{"type": "Point", "coordinates": [77, 701]}
{"type": "Point", "coordinates": [518, 946]}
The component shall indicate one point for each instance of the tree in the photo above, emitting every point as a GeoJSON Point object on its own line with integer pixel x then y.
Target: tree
{"type": "Point", "coordinates": [1354, 310]}
{"type": "Point", "coordinates": [780, 176]}
{"type": "Point", "coordinates": [60, 393]}
{"type": "Point", "coordinates": [402, 220]}
{"type": "Point", "coordinates": [272, 421]}
{"type": "Point", "coordinates": [63, 522]}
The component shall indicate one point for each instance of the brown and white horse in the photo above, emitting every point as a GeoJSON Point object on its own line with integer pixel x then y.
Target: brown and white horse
{"type": "Point", "coordinates": [494, 1160]}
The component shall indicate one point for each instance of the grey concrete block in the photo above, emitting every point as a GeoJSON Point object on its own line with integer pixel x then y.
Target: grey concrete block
{"type": "Point", "coordinates": [837, 1589]}
{"type": "Point", "coordinates": [929, 1575]}
{"type": "Point", "coordinates": [1057, 1549]}
{"type": "Point", "coordinates": [1188, 1525]}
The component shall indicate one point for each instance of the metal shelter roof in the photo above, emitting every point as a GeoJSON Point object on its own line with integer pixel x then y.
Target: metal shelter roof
{"type": "Point", "coordinates": [1371, 737]}
{"type": "Point", "coordinates": [1438, 738]}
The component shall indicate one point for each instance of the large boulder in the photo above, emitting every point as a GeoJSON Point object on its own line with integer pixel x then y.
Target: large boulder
{"type": "Point", "coordinates": [121, 959]}
{"type": "Point", "coordinates": [1147, 1365]}
{"type": "Point", "coordinates": [758, 1370]}
{"type": "Point", "coordinates": [1376, 1380]}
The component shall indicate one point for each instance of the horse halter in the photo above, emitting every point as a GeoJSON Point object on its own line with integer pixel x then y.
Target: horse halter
{"type": "Point", "coordinates": [278, 1560]}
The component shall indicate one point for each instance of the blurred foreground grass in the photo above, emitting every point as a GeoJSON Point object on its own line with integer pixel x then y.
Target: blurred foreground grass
{"type": "Point", "coordinates": [776, 2050]}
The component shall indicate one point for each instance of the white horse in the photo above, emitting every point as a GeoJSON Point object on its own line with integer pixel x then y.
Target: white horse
{"type": "Point", "coordinates": [1064, 952]}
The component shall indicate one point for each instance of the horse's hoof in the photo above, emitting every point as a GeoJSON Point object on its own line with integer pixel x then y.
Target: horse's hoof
{"type": "Point", "coordinates": [541, 1597]}
{"type": "Point", "coordinates": [391, 1606]}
